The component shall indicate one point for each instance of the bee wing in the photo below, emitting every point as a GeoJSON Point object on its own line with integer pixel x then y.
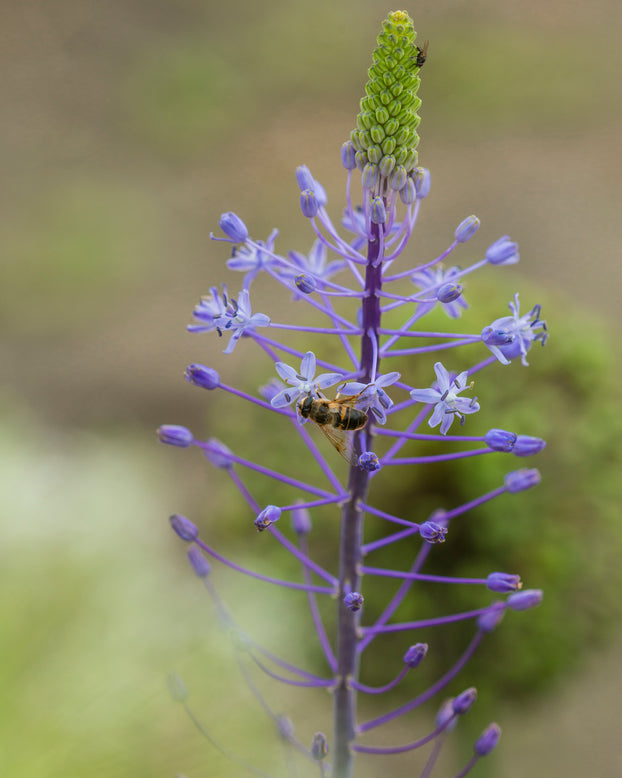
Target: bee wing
{"type": "Point", "coordinates": [341, 441]}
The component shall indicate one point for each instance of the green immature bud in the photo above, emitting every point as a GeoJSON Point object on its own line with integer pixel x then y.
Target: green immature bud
{"type": "Point", "coordinates": [387, 123]}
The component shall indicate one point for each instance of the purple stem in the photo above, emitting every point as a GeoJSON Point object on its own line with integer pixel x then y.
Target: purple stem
{"type": "Point", "coordinates": [301, 557]}
{"type": "Point", "coordinates": [320, 682]}
{"type": "Point", "coordinates": [435, 458]}
{"type": "Point", "coordinates": [361, 687]}
{"type": "Point", "coordinates": [468, 766]}
{"type": "Point", "coordinates": [439, 621]}
{"type": "Point", "coordinates": [420, 576]}
{"type": "Point", "coordinates": [381, 750]}
{"type": "Point", "coordinates": [388, 539]}
{"type": "Point", "coordinates": [315, 613]}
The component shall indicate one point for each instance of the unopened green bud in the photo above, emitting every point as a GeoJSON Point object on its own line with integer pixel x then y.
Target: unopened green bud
{"type": "Point", "coordinates": [388, 120]}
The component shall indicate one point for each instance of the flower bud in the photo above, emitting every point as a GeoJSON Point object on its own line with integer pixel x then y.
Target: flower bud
{"type": "Point", "coordinates": [466, 229]}
{"type": "Point", "coordinates": [348, 155]}
{"type": "Point", "coordinates": [218, 454]}
{"type": "Point", "coordinates": [503, 583]}
{"type": "Point", "coordinates": [415, 655]}
{"type": "Point", "coordinates": [304, 178]}
{"type": "Point", "coordinates": [397, 179]}
{"type": "Point", "coordinates": [184, 528]}
{"type": "Point", "coordinates": [319, 747]}
{"type": "Point", "coordinates": [308, 203]}
{"type": "Point", "coordinates": [522, 601]}
{"type": "Point", "coordinates": [233, 227]}
{"type": "Point", "coordinates": [423, 181]}
{"type": "Point", "coordinates": [448, 292]}
{"type": "Point", "coordinates": [432, 532]}
{"type": "Point", "coordinates": [202, 376]}
{"type": "Point", "coordinates": [500, 440]}
{"type": "Point", "coordinates": [489, 620]}
{"type": "Point", "coordinates": [301, 521]}
{"type": "Point", "coordinates": [369, 461]}
{"type": "Point", "coordinates": [493, 336]}
{"type": "Point", "coordinates": [520, 480]}
{"type": "Point", "coordinates": [408, 193]}
{"type": "Point", "coordinates": [503, 252]}
{"type": "Point", "coordinates": [199, 563]}
{"type": "Point", "coordinates": [526, 446]}
{"type": "Point", "coordinates": [268, 516]}
{"type": "Point", "coordinates": [378, 211]}
{"type": "Point", "coordinates": [173, 435]}
{"type": "Point", "coordinates": [446, 717]}
{"type": "Point", "coordinates": [305, 284]}
{"type": "Point", "coordinates": [464, 701]}
{"type": "Point", "coordinates": [370, 176]}
{"type": "Point", "coordinates": [353, 601]}
{"type": "Point", "coordinates": [488, 740]}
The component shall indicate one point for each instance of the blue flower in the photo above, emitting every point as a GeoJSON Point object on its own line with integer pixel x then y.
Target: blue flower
{"type": "Point", "coordinates": [447, 404]}
{"type": "Point", "coordinates": [252, 258]}
{"type": "Point", "coordinates": [513, 336]}
{"type": "Point", "coordinates": [303, 382]}
{"type": "Point", "coordinates": [315, 264]}
{"type": "Point", "coordinates": [227, 314]}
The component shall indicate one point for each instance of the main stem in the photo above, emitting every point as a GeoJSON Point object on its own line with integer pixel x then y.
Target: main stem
{"type": "Point", "coordinates": [351, 540]}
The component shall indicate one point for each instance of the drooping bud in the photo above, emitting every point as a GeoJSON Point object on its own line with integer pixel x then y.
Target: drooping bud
{"type": "Point", "coordinates": [305, 284]}
{"type": "Point", "coordinates": [386, 127]}
{"type": "Point", "coordinates": [304, 178]}
{"type": "Point", "coordinates": [348, 155]}
{"type": "Point", "coordinates": [432, 532]}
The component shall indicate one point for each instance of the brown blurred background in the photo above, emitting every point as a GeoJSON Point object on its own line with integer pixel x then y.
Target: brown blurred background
{"type": "Point", "coordinates": [128, 127]}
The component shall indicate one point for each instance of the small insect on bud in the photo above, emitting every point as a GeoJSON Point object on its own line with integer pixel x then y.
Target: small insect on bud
{"type": "Point", "coordinates": [233, 227]}
{"type": "Point", "coordinates": [466, 229]}
{"type": "Point", "coordinates": [353, 601]}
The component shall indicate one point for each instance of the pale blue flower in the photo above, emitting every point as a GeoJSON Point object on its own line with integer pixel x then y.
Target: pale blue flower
{"type": "Point", "coordinates": [303, 382]}
{"type": "Point", "coordinates": [444, 396]}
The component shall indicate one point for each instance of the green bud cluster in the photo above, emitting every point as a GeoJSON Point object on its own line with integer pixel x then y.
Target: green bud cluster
{"type": "Point", "coordinates": [386, 137]}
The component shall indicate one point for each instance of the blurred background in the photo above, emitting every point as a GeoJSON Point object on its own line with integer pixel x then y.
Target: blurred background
{"type": "Point", "coordinates": [128, 128]}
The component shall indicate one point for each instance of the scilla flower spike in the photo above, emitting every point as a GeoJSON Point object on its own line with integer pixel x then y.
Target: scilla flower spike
{"type": "Point", "coordinates": [334, 372]}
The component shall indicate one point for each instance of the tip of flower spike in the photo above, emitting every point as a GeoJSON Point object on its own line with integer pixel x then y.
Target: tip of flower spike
{"type": "Point", "coordinates": [184, 528]}
{"type": "Point", "coordinates": [174, 435]}
{"type": "Point", "coordinates": [488, 740]}
{"type": "Point", "coordinates": [386, 137]}
{"type": "Point", "coordinates": [319, 746]}
{"type": "Point", "coordinates": [268, 516]}
{"type": "Point", "coordinates": [415, 655]}
{"type": "Point", "coordinates": [353, 601]}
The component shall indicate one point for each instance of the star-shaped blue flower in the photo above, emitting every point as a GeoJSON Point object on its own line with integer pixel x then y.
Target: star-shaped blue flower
{"type": "Point", "coordinates": [444, 396]}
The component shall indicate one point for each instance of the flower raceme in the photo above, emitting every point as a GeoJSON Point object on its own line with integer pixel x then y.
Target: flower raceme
{"type": "Point", "coordinates": [377, 416]}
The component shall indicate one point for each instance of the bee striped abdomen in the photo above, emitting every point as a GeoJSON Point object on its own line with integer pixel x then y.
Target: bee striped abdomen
{"type": "Point", "coordinates": [349, 419]}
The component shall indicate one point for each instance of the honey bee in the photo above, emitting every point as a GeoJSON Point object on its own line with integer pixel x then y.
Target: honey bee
{"type": "Point", "coordinates": [335, 418]}
{"type": "Point", "coordinates": [422, 54]}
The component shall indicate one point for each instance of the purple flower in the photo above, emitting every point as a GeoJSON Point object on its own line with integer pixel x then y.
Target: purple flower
{"type": "Point", "coordinates": [303, 382]}
{"type": "Point", "coordinates": [435, 278]}
{"type": "Point", "coordinates": [512, 336]}
{"type": "Point", "coordinates": [372, 397]}
{"type": "Point", "coordinates": [444, 396]}
{"type": "Point", "coordinates": [228, 315]}
{"type": "Point", "coordinates": [253, 257]}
